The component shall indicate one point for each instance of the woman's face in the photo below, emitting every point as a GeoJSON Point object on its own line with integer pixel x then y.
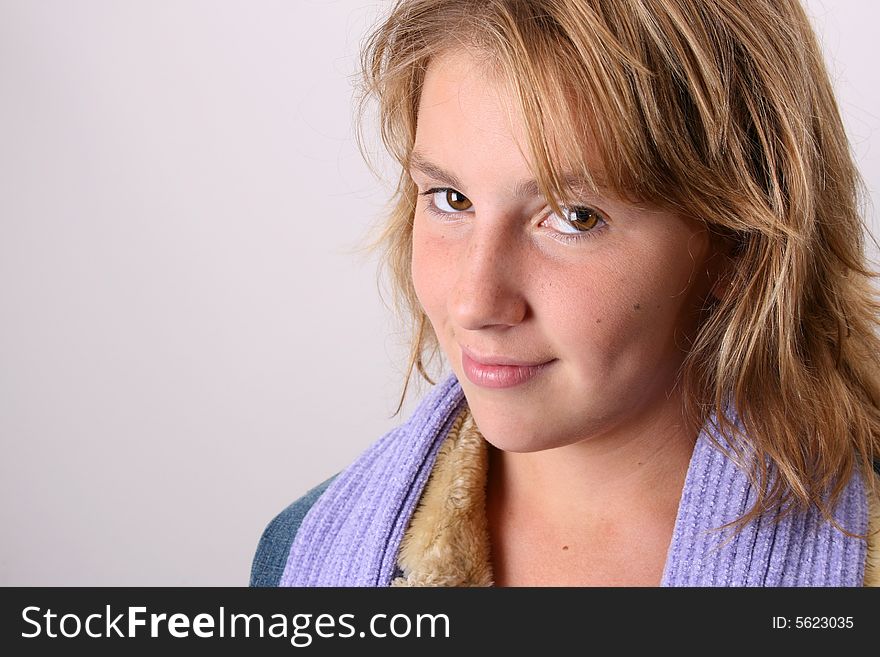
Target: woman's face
{"type": "Point", "coordinates": [609, 309]}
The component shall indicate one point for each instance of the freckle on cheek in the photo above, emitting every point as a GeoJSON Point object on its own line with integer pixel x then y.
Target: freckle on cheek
{"type": "Point", "coordinates": [598, 321]}
{"type": "Point", "coordinates": [637, 306]}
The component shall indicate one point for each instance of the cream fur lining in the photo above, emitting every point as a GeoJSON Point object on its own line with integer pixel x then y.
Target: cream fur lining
{"type": "Point", "coordinates": [447, 541]}
{"type": "Point", "coordinates": [872, 563]}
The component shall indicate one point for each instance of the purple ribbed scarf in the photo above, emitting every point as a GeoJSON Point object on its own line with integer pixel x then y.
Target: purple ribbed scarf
{"type": "Point", "coordinates": [351, 535]}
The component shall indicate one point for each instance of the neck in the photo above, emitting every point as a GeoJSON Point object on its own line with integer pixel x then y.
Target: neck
{"type": "Point", "coordinates": [632, 471]}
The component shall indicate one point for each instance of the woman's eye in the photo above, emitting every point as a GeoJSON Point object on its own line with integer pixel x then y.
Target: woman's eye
{"type": "Point", "coordinates": [583, 219]}
{"type": "Point", "coordinates": [449, 200]}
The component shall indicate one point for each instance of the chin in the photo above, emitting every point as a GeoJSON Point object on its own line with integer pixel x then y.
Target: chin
{"type": "Point", "coordinates": [520, 448]}
{"type": "Point", "coordinates": [512, 435]}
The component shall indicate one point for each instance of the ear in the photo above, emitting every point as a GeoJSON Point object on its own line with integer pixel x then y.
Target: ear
{"type": "Point", "coordinates": [722, 284]}
{"type": "Point", "coordinates": [725, 262]}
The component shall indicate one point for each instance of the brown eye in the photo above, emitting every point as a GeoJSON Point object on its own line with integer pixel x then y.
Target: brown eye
{"type": "Point", "coordinates": [456, 201]}
{"type": "Point", "coordinates": [584, 218]}
{"type": "Point", "coordinates": [575, 223]}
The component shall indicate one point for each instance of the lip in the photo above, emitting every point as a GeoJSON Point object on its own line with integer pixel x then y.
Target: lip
{"type": "Point", "coordinates": [498, 360]}
{"type": "Point", "coordinates": [495, 375]}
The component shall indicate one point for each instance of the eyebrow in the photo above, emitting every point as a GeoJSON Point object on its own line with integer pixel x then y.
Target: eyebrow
{"type": "Point", "coordinates": [522, 189]}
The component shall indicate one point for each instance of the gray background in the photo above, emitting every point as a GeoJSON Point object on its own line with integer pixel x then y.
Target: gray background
{"type": "Point", "coordinates": [188, 340]}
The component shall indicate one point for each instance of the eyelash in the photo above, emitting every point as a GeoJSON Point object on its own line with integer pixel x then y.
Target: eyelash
{"type": "Point", "coordinates": [569, 238]}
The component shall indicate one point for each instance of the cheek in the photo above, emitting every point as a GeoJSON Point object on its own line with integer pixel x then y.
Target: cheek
{"type": "Point", "coordinates": [430, 262]}
{"type": "Point", "coordinates": [621, 312]}
{"type": "Point", "coordinates": [595, 319]}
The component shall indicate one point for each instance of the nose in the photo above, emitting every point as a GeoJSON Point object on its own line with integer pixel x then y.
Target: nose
{"type": "Point", "coordinates": [488, 290]}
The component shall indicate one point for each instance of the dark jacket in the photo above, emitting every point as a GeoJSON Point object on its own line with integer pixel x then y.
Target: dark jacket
{"type": "Point", "coordinates": [274, 546]}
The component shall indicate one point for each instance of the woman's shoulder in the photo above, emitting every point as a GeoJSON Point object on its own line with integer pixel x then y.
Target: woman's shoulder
{"type": "Point", "coordinates": [274, 546]}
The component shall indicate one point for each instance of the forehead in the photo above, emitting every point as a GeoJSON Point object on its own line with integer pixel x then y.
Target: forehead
{"type": "Point", "coordinates": [469, 104]}
{"type": "Point", "coordinates": [464, 86]}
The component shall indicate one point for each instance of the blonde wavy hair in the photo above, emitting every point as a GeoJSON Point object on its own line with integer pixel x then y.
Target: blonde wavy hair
{"type": "Point", "coordinates": [720, 110]}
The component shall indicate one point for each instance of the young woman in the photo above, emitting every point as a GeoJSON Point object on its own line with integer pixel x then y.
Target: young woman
{"type": "Point", "coordinates": [632, 229]}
